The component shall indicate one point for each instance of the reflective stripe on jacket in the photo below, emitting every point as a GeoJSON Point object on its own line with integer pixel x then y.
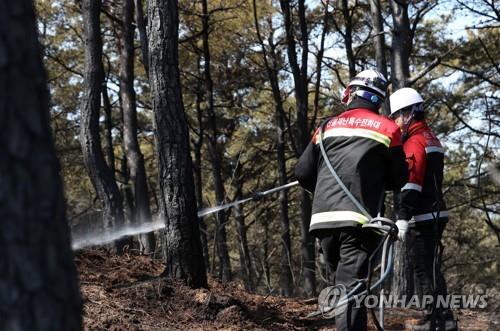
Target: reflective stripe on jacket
{"type": "Point", "coordinates": [366, 152]}
{"type": "Point", "coordinates": [421, 196]}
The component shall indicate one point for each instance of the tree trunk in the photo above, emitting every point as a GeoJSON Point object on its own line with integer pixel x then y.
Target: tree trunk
{"type": "Point", "coordinates": [197, 164]}
{"type": "Point", "coordinates": [379, 43]}
{"type": "Point", "coordinates": [126, 189]}
{"type": "Point", "coordinates": [286, 279]}
{"type": "Point", "coordinates": [40, 288]}
{"type": "Point", "coordinates": [143, 36]}
{"type": "Point", "coordinates": [245, 259]}
{"type": "Point", "coordinates": [401, 44]}
{"type": "Point", "coordinates": [100, 174]}
{"type": "Point", "coordinates": [402, 281]}
{"type": "Point", "coordinates": [266, 270]}
{"type": "Point", "coordinates": [135, 159]}
{"type": "Point", "coordinates": [308, 246]}
{"type": "Point", "coordinates": [319, 62]}
{"type": "Point", "coordinates": [108, 128]}
{"type": "Point", "coordinates": [302, 130]}
{"type": "Point", "coordinates": [182, 247]}
{"type": "Point", "coordinates": [348, 38]}
{"type": "Point", "coordinates": [221, 241]}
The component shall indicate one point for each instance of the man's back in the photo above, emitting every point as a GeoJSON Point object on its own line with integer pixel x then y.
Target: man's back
{"type": "Point", "coordinates": [425, 157]}
{"type": "Point", "coordinates": [365, 150]}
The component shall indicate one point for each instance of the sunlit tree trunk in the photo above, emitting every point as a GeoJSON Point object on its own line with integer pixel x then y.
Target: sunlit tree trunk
{"type": "Point", "coordinates": [39, 285]}
{"type": "Point", "coordinates": [143, 36]}
{"type": "Point", "coordinates": [135, 159]}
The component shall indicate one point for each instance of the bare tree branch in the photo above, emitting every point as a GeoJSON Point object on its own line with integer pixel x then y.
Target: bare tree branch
{"type": "Point", "coordinates": [478, 74]}
{"type": "Point", "coordinates": [478, 12]}
{"type": "Point", "coordinates": [490, 133]}
{"type": "Point", "coordinates": [429, 67]}
{"type": "Point", "coordinates": [488, 218]}
{"type": "Point", "coordinates": [493, 62]}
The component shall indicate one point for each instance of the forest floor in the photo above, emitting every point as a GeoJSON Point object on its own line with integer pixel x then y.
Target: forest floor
{"type": "Point", "coordinates": [128, 293]}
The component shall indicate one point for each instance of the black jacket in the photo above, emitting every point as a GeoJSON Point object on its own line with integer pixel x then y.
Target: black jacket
{"type": "Point", "coordinates": [365, 150]}
{"type": "Point", "coordinates": [421, 197]}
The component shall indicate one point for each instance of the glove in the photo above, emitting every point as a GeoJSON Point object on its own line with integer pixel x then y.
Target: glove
{"type": "Point", "coordinates": [403, 228]}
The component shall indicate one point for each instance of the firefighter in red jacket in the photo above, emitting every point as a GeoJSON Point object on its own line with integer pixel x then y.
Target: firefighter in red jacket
{"type": "Point", "coordinates": [421, 206]}
{"type": "Point", "coordinates": [366, 152]}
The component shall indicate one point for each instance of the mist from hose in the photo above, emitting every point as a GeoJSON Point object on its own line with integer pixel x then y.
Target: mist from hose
{"type": "Point", "coordinates": [97, 238]}
{"type": "Point", "coordinates": [91, 232]}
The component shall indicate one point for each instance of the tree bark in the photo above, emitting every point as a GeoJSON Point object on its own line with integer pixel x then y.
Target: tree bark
{"type": "Point", "coordinates": [302, 130]}
{"type": "Point", "coordinates": [286, 279]}
{"type": "Point", "coordinates": [198, 145]}
{"type": "Point", "coordinates": [100, 174]}
{"type": "Point", "coordinates": [266, 270]}
{"type": "Point", "coordinates": [40, 288]}
{"type": "Point", "coordinates": [182, 247]}
{"type": "Point", "coordinates": [402, 280]}
{"type": "Point", "coordinates": [401, 44]}
{"type": "Point", "coordinates": [135, 159]}
{"type": "Point", "coordinates": [245, 259]}
{"type": "Point", "coordinates": [143, 36]}
{"type": "Point", "coordinates": [108, 127]}
{"type": "Point", "coordinates": [348, 38]}
{"type": "Point", "coordinates": [126, 189]}
{"type": "Point", "coordinates": [379, 43]}
{"type": "Point", "coordinates": [319, 62]}
{"type": "Point", "coordinates": [221, 241]}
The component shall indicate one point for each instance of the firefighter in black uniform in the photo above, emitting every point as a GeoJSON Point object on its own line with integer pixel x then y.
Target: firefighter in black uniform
{"type": "Point", "coordinates": [422, 208]}
{"type": "Point", "coordinates": [365, 150]}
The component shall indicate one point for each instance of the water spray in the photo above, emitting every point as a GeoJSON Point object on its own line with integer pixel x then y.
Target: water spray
{"type": "Point", "coordinates": [107, 236]}
{"type": "Point", "coordinates": [256, 195]}
{"type": "Point", "coordinates": [100, 237]}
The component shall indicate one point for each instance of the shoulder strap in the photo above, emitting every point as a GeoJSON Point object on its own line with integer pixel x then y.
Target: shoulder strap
{"type": "Point", "coordinates": [334, 173]}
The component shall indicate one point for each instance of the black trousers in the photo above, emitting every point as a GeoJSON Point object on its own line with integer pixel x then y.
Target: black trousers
{"type": "Point", "coordinates": [427, 235]}
{"type": "Point", "coordinates": [346, 252]}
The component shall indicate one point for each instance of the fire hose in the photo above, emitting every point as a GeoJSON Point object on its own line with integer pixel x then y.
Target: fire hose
{"type": "Point", "coordinates": [255, 196]}
{"type": "Point", "coordinates": [379, 224]}
{"type": "Point", "coordinates": [389, 229]}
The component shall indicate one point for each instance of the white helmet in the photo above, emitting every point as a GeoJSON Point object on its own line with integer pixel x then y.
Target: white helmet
{"type": "Point", "coordinates": [372, 80]}
{"type": "Point", "coordinates": [367, 80]}
{"type": "Point", "coordinates": [404, 98]}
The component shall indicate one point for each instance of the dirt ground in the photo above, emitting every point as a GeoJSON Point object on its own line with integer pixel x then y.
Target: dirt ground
{"type": "Point", "coordinates": [128, 293]}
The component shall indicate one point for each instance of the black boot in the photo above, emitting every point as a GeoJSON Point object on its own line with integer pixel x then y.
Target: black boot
{"type": "Point", "coordinates": [442, 321]}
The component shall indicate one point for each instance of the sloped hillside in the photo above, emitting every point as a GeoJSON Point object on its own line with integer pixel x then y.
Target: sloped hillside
{"type": "Point", "coordinates": [128, 293]}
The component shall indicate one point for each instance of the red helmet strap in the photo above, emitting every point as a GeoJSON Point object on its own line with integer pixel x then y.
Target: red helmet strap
{"type": "Point", "coordinates": [346, 96]}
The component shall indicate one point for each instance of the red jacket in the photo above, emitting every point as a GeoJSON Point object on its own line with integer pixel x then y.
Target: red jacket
{"type": "Point", "coordinates": [422, 197]}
